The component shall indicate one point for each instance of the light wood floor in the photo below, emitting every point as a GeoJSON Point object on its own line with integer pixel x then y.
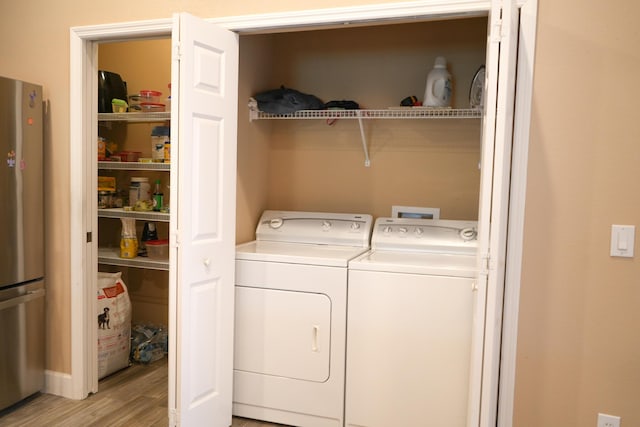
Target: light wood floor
{"type": "Point", "coordinates": [133, 397]}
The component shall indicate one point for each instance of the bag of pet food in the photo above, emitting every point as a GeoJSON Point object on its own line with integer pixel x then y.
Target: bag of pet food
{"type": "Point", "coordinates": [114, 324]}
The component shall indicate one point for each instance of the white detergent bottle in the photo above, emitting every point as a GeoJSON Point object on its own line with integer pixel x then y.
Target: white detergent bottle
{"type": "Point", "coordinates": [438, 91]}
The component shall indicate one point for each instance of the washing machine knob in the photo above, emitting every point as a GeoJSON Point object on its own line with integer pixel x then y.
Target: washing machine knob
{"type": "Point", "coordinates": [387, 229]}
{"type": "Point", "coordinates": [355, 226]}
{"type": "Point", "coordinates": [276, 223]}
{"type": "Point", "coordinates": [403, 230]}
{"type": "Point", "coordinates": [419, 231]}
{"type": "Point", "coordinates": [326, 225]}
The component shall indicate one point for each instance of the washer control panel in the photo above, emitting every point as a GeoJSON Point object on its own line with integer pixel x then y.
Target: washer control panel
{"type": "Point", "coordinates": [425, 235]}
{"type": "Point", "coordinates": [315, 227]}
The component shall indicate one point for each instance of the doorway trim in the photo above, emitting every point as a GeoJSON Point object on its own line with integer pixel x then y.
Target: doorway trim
{"type": "Point", "coordinates": [83, 53]}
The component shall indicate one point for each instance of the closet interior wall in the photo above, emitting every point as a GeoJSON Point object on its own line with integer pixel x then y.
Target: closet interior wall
{"type": "Point", "coordinates": [311, 165]}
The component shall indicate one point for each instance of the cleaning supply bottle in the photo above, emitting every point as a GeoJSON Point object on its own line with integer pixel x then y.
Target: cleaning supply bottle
{"type": "Point", "coordinates": [438, 90]}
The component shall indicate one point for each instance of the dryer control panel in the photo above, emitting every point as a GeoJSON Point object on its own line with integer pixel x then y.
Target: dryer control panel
{"type": "Point", "coordinates": [425, 235]}
{"type": "Point", "coordinates": [319, 228]}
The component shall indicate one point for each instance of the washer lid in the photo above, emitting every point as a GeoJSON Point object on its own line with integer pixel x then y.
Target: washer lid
{"type": "Point", "coordinates": [425, 235]}
{"type": "Point", "coordinates": [416, 263]}
{"type": "Point", "coordinates": [315, 228]}
{"type": "Point", "coordinates": [298, 253]}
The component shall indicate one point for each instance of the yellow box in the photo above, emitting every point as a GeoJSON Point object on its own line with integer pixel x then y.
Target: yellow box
{"type": "Point", "coordinates": [106, 183]}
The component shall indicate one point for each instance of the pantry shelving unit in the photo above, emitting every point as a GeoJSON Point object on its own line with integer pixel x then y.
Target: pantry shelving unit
{"type": "Point", "coordinates": [395, 113]}
{"type": "Point", "coordinates": [109, 255]}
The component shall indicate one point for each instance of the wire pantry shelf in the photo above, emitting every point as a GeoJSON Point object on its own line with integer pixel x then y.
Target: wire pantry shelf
{"type": "Point", "coordinates": [388, 113]}
{"type": "Point", "coordinates": [140, 215]}
{"type": "Point", "coordinates": [135, 117]}
{"type": "Point", "coordinates": [110, 256]}
{"type": "Point", "coordinates": [136, 166]}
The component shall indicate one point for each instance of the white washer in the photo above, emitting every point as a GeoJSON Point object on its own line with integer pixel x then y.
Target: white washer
{"type": "Point", "coordinates": [409, 324]}
{"type": "Point", "coordinates": [291, 308]}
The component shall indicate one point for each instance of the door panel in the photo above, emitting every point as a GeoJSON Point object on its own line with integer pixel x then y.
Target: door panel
{"type": "Point", "coordinates": [206, 159]}
{"type": "Point", "coordinates": [282, 333]}
{"type": "Point", "coordinates": [205, 73]}
{"type": "Point", "coordinates": [492, 217]}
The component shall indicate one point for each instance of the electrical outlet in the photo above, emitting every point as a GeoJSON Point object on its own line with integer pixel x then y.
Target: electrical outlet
{"type": "Point", "coordinates": [605, 420]}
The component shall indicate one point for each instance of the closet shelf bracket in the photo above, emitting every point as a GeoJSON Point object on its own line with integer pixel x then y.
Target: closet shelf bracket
{"type": "Point", "coordinates": [365, 147]}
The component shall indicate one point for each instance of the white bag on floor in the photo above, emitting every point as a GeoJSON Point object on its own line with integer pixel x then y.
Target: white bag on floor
{"type": "Point", "coordinates": [114, 324]}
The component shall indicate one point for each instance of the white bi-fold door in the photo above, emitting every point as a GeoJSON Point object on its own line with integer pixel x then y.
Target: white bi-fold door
{"type": "Point", "coordinates": [497, 127]}
{"type": "Point", "coordinates": [201, 280]}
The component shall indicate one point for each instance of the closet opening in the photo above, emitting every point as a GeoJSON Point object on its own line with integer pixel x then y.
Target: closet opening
{"type": "Point", "coordinates": [271, 154]}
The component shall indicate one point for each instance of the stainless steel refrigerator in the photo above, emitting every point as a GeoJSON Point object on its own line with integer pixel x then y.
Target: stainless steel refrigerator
{"type": "Point", "coordinates": [22, 289]}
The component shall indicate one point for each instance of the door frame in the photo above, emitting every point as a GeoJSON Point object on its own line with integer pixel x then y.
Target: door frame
{"type": "Point", "coordinates": [83, 63]}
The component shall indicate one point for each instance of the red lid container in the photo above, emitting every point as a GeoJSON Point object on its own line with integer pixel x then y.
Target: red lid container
{"type": "Point", "coordinates": [158, 249]}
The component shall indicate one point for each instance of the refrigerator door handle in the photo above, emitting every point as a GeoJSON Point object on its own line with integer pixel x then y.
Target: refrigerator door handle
{"type": "Point", "coordinates": [29, 296]}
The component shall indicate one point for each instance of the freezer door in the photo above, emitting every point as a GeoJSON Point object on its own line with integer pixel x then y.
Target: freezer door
{"type": "Point", "coordinates": [21, 182]}
{"type": "Point", "coordinates": [22, 316]}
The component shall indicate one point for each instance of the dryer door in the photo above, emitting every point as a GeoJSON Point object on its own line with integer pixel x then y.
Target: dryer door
{"type": "Point", "coordinates": [282, 333]}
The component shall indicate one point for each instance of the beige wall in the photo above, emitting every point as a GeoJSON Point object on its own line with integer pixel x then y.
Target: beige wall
{"type": "Point", "coordinates": [578, 341]}
{"type": "Point", "coordinates": [578, 345]}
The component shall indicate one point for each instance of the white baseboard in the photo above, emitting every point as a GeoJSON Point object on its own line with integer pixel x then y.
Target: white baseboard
{"type": "Point", "coordinates": [58, 384]}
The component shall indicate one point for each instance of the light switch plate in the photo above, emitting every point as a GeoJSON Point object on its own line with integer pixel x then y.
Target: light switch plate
{"type": "Point", "coordinates": [606, 420]}
{"type": "Point", "coordinates": [623, 240]}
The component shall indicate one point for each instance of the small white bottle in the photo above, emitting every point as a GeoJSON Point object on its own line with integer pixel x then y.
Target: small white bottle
{"type": "Point", "coordinates": [438, 90]}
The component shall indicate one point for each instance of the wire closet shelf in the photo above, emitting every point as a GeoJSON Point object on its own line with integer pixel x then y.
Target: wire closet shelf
{"type": "Point", "coordinates": [361, 115]}
{"type": "Point", "coordinates": [388, 113]}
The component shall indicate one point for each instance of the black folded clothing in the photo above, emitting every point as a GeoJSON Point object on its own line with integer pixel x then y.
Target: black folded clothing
{"type": "Point", "coordinates": [342, 105]}
{"type": "Point", "coordinates": [287, 101]}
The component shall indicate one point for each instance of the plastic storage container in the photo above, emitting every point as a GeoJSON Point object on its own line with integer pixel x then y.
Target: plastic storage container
{"type": "Point", "coordinates": [144, 97]}
{"type": "Point", "coordinates": [139, 189]}
{"type": "Point", "coordinates": [119, 105]}
{"type": "Point", "coordinates": [158, 249]}
{"type": "Point", "coordinates": [151, 107]}
{"type": "Point", "coordinates": [129, 156]}
{"type": "Point", "coordinates": [151, 95]}
{"type": "Point", "coordinates": [438, 90]}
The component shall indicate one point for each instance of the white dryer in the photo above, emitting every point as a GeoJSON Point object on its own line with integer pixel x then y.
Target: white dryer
{"type": "Point", "coordinates": [409, 324]}
{"type": "Point", "coordinates": [291, 309]}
